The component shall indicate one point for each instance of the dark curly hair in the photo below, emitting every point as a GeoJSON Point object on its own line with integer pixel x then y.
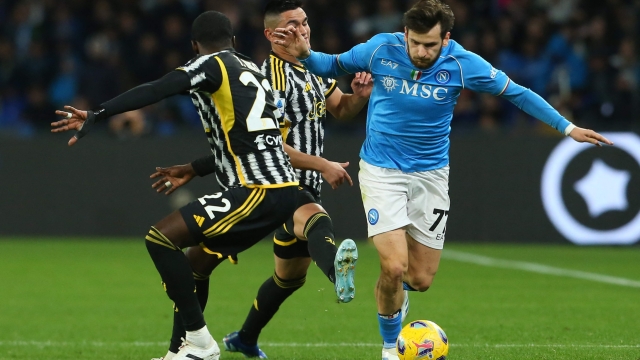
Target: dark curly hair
{"type": "Point", "coordinates": [212, 29]}
{"type": "Point", "coordinates": [426, 14]}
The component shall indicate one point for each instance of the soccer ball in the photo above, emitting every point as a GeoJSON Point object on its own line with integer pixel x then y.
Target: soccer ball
{"type": "Point", "coordinates": [422, 339]}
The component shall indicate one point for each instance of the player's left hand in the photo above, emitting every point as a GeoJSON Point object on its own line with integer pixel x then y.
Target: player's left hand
{"type": "Point", "coordinates": [74, 120]}
{"type": "Point", "coordinates": [586, 135]}
{"type": "Point", "coordinates": [176, 175]}
{"type": "Point", "coordinates": [293, 42]}
{"type": "Point", "coordinates": [362, 84]}
{"type": "Point", "coordinates": [335, 173]}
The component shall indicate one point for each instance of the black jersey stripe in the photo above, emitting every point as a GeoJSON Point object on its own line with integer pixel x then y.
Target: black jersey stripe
{"type": "Point", "coordinates": [283, 79]}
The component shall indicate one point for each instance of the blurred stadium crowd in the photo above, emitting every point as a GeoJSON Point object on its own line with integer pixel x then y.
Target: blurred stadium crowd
{"type": "Point", "coordinates": [581, 55]}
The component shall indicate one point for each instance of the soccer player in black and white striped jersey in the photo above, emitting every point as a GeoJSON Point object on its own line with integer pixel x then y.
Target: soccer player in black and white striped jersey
{"type": "Point", "coordinates": [239, 117]}
{"type": "Point", "coordinates": [303, 100]}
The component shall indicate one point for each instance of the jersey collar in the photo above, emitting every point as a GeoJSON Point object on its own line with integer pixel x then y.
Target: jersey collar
{"type": "Point", "coordinates": [298, 67]}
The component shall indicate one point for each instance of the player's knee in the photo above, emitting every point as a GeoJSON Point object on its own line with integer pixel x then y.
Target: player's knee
{"type": "Point", "coordinates": [156, 238]}
{"type": "Point", "coordinates": [294, 268]}
{"type": "Point", "coordinates": [290, 284]}
{"type": "Point", "coordinates": [320, 220]}
{"type": "Point", "coordinates": [200, 276]}
{"type": "Point", "coordinates": [393, 272]}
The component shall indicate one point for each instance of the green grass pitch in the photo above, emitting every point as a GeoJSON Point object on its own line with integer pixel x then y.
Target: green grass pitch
{"type": "Point", "coordinates": [101, 299]}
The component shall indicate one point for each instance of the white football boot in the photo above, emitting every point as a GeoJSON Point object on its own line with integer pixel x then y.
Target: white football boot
{"type": "Point", "coordinates": [169, 356]}
{"type": "Point", "coordinates": [390, 354]}
{"type": "Point", "coordinates": [404, 310]}
{"type": "Point", "coordinates": [188, 351]}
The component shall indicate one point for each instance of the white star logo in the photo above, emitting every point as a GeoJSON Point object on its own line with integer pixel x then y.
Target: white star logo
{"type": "Point", "coordinates": [604, 188]}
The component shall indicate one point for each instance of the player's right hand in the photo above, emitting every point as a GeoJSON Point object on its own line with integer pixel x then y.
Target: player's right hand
{"type": "Point", "coordinates": [334, 174]}
{"type": "Point", "coordinates": [293, 42]}
{"type": "Point", "coordinates": [177, 175]}
{"type": "Point", "coordinates": [74, 120]}
{"type": "Point", "coordinates": [587, 135]}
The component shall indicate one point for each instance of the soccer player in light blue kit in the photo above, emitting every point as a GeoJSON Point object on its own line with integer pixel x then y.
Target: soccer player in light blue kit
{"type": "Point", "coordinates": [405, 157]}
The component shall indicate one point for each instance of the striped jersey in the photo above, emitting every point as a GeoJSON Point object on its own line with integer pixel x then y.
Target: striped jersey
{"type": "Point", "coordinates": [236, 106]}
{"type": "Point", "coordinates": [301, 100]}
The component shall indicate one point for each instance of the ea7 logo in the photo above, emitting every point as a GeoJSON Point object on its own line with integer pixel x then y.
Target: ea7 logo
{"type": "Point", "coordinates": [389, 63]}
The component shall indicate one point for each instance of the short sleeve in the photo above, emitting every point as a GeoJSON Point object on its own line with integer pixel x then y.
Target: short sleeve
{"type": "Point", "coordinates": [205, 73]}
{"type": "Point", "coordinates": [328, 86]}
{"type": "Point", "coordinates": [479, 75]}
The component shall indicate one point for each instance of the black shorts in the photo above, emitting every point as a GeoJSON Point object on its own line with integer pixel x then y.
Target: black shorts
{"type": "Point", "coordinates": [285, 243]}
{"type": "Point", "coordinates": [229, 222]}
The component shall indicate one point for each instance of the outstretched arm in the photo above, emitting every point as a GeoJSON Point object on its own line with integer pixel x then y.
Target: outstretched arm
{"type": "Point", "coordinates": [173, 83]}
{"type": "Point", "coordinates": [534, 105]}
{"type": "Point", "coordinates": [325, 65]}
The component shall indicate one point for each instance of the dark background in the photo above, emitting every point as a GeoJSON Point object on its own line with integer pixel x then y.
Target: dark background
{"type": "Point", "coordinates": [580, 55]}
{"type": "Point", "coordinates": [102, 186]}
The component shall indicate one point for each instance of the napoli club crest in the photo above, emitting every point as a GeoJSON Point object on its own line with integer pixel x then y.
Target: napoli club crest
{"type": "Point", "coordinates": [373, 216]}
{"type": "Point", "coordinates": [443, 77]}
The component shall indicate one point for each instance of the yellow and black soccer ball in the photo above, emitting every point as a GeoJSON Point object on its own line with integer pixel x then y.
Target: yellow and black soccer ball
{"type": "Point", "coordinates": [422, 339]}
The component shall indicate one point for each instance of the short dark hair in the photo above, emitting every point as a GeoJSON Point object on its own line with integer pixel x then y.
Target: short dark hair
{"type": "Point", "coordinates": [212, 29]}
{"type": "Point", "coordinates": [277, 7]}
{"type": "Point", "coordinates": [426, 14]}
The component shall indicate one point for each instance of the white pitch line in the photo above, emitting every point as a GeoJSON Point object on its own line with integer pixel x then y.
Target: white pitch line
{"type": "Point", "coordinates": [160, 343]}
{"type": "Point", "coordinates": [537, 268]}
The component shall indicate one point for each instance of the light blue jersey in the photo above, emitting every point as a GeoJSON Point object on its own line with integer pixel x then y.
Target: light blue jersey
{"type": "Point", "coordinates": [410, 109]}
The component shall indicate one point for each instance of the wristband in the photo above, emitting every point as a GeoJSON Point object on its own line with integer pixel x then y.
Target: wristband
{"type": "Point", "coordinates": [100, 114]}
{"type": "Point", "coordinates": [568, 129]}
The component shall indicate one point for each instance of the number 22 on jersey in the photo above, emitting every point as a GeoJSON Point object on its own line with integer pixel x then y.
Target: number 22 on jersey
{"type": "Point", "coordinates": [255, 121]}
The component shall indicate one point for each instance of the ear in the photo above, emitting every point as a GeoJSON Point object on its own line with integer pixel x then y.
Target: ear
{"type": "Point", "coordinates": [268, 33]}
{"type": "Point", "coordinates": [233, 42]}
{"type": "Point", "coordinates": [406, 34]}
{"type": "Point", "coordinates": [445, 41]}
{"type": "Point", "coordinates": [195, 47]}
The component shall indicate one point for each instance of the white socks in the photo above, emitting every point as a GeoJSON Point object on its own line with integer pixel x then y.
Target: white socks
{"type": "Point", "coordinates": [201, 338]}
{"type": "Point", "coordinates": [169, 356]}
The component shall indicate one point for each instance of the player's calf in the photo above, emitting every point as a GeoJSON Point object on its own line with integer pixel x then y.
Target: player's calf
{"type": "Point", "coordinates": [318, 230]}
{"type": "Point", "coordinates": [273, 292]}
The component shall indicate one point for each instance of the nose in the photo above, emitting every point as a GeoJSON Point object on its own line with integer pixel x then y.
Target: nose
{"type": "Point", "coordinates": [422, 52]}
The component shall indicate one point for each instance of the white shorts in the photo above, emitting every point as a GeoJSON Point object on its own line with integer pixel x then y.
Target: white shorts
{"type": "Point", "coordinates": [417, 202]}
